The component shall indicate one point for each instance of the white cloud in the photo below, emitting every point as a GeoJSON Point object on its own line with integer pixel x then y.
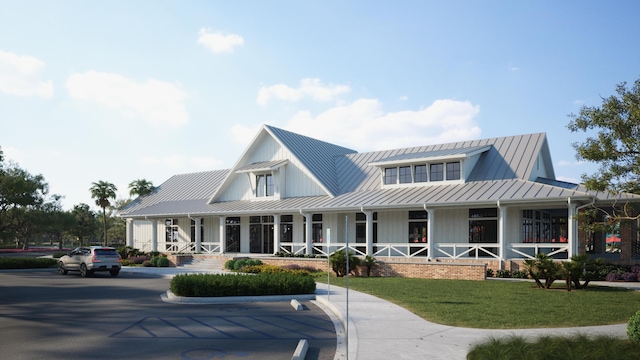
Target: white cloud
{"type": "Point", "coordinates": [19, 75]}
{"type": "Point", "coordinates": [312, 88]}
{"type": "Point", "coordinates": [218, 42]}
{"type": "Point", "coordinates": [157, 102]}
{"type": "Point", "coordinates": [243, 134]}
{"type": "Point", "coordinates": [363, 125]}
{"type": "Point", "coordinates": [513, 68]}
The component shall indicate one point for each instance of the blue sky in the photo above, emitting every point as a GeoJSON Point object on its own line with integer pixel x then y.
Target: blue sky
{"type": "Point", "coordinates": [124, 90]}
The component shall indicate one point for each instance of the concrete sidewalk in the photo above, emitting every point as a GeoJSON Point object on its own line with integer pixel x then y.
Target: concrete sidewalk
{"type": "Point", "coordinates": [378, 329]}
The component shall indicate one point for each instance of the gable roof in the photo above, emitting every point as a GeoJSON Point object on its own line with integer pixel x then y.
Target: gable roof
{"type": "Point", "coordinates": [316, 156]}
{"type": "Point", "coordinates": [502, 174]}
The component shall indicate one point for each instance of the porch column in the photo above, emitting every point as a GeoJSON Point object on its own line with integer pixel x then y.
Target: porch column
{"type": "Point", "coordinates": [223, 235]}
{"type": "Point", "coordinates": [154, 234]}
{"type": "Point", "coordinates": [369, 232]}
{"type": "Point", "coordinates": [130, 232]}
{"type": "Point", "coordinates": [502, 224]}
{"type": "Point", "coordinates": [198, 234]}
{"type": "Point", "coordinates": [276, 233]}
{"type": "Point", "coordinates": [431, 215]}
{"type": "Point", "coordinates": [308, 234]}
{"type": "Point", "coordinates": [572, 233]}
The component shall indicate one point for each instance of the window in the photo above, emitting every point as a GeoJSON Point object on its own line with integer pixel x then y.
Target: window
{"type": "Point", "coordinates": [418, 226]}
{"type": "Point", "coordinates": [361, 230]}
{"type": "Point", "coordinates": [286, 228]}
{"type": "Point", "coordinates": [453, 171]}
{"type": "Point", "coordinates": [390, 175]}
{"type": "Point", "coordinates": [316, 228]}
{"type": "Point", "coordinates": [536, 227]}
{"type": "Point", "coordinates": [171, 230]}
{"type": "Point", "coordinates": [405, 174]}
{"type": "Point", "coordinates": [436, 172]}
{"type": "Point", "coordinates": [270, 186]}
{"type": "Point", "coordinates": [483, 228]}
{"type": "Point", "coordinates": [264, 185]}
{"type": "Point", "coordinates": [193, 230]}
{"type": "Point", "coordinates": [418, 232]}
{"type": "Point", "coordinates": [233, 234]}
{"type": "Point", "coordinates": [420, 173]}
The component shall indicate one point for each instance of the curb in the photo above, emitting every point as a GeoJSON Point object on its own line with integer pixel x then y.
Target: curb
{"type": "Point", "coordinates": [170, 297]}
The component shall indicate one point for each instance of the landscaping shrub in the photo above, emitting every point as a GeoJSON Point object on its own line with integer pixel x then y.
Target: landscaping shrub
{"type": "Point", "coordinates": [59, 254]}
{"type": "Point", "coordinates": [229, 264]}
{"type": "Point", "coordinates": [542, 267]}
{"type": "Point", "coordinates": [339, 263]}
{"type": "Point", "coordinates": [26, 263]}
{"type": "Point", "coordinates": [578, 346]}
{"type": "Point", "coordinates": [613, 277]}
{"type": "Point", "coordinates": [265, 268]}
{"type": "Point", "coordinates": [162, 261]}
{"type": "Point", "coordinates": [503, 274]}
{"type": "Point", "coordinates": [519, 274]}
{"type": "Point", "coordinates": [629, 276]}
{"type": "Point", "coordinates": [213, 285]}
{"type": "Point", "coordinates": [489, 273]}
{"type": "Point", "coordinates": [633, 328]}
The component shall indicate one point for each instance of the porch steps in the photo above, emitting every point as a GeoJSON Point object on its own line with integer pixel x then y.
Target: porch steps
{"type": "Point", "coordinates": [204, 263]}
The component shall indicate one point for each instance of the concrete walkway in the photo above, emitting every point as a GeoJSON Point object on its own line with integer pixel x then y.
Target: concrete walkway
{"type": "Point", "coordinates": [378, 329]}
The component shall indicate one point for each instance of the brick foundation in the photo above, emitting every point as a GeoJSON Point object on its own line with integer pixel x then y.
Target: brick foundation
{"type": "Point", "coordinates": [400, 268]}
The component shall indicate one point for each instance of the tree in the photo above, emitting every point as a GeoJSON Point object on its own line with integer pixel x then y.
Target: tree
{"type": "Point", "coordinates": [56, 223]}
{"type": "Point", "coordinates": [85, 225]}
{"type": "Point", "coordinates": [102, 191]}
{"type": "Point", "coordinates": [140, 187]}
{"type": "Point", "coordinates": [615, 145]}
{"type": "Point", "coordinates": [20, 193]}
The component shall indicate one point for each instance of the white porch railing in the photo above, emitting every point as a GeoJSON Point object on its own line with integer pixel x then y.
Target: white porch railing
{"type": "Point", "coordinates": [556, 248]}
{"type": "Point", "coordinates": [380, 249]}
{"type": "Point", "coordinates": [209, 247]}
{"type": "Point", "coordinates": [458, 250]}
{"type": "Point", "coordinates": [190, 247]}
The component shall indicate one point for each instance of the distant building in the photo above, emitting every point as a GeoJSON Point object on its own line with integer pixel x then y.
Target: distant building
{"type": "Point", "coordinates": [492, 199]}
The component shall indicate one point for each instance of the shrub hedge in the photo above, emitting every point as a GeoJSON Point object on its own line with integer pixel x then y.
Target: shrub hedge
{"type": "Point", "coordinates": [26, 263]}
{"type": "Point", "coordinates": [213, 285]}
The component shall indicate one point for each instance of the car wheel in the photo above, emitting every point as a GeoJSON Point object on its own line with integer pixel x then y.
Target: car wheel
{"type": "Point", "coordinates": [61, 269]}
{"type": "Point", "coordinates": [114, 272]}
{"type": "Point", "coordinates": [83, 270]}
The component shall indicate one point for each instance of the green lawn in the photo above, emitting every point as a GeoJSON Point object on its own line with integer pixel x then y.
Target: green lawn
{"type": "Point", "coordinates": [495, 304]}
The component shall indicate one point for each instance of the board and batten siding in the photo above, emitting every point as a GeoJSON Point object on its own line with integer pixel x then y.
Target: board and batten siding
{"type": "Point", "coordinates": [451, 226]}
{"type": "Point", "coordinates": [297, 181]}
{"type": "Point", "coordinates": [142, 231]}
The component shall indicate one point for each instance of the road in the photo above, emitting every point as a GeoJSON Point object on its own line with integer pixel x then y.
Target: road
{"type": "Point", "coordinates": [44, 315]}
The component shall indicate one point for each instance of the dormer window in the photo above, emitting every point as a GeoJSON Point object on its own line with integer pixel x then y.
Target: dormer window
{"type": "Point", "coordinates": [436, 172]}
{"type": "Point", "coordinates": [264, 185]}
{"type": "Point", "coordinates": [418, 173]}
{"type": "Point", "coordinates": [453, 170]}
{"type": "Point", "coordinates": [444, 166]}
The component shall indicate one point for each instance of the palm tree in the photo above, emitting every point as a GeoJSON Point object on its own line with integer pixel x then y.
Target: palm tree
{"type": "Point", "coordinates": [140, 187]}
{"type": "Point", "coordinates": [102, 191]}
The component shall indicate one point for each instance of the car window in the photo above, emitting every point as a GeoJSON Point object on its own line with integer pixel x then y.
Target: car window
{"type": "Point", "coordinates": [105, 252]}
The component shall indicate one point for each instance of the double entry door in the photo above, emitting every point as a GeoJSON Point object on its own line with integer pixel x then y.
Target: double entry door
{"type": "Point", "coordinates": [261, 235]}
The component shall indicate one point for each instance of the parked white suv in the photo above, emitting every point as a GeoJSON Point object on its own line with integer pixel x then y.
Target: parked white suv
{"type": "Point", "coordinates": [90, 259]}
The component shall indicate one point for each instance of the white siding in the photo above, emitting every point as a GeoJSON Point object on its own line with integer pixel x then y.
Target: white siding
{"type": "Point", "coordinates": [142, 232]}
{"type": "Point", "coordinates": [297, 181]}
{"type": "Point", "coordinates": [451, 226]}
{"type": "Point", "coordinates": [393, 227]}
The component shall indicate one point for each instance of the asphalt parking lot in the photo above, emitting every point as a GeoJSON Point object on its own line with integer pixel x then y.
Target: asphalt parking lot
{"type": "Point", "coordinates": [44, 315]}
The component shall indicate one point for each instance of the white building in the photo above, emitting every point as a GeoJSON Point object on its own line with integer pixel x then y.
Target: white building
{"type": "Point", "coordinates": [493, 199]}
